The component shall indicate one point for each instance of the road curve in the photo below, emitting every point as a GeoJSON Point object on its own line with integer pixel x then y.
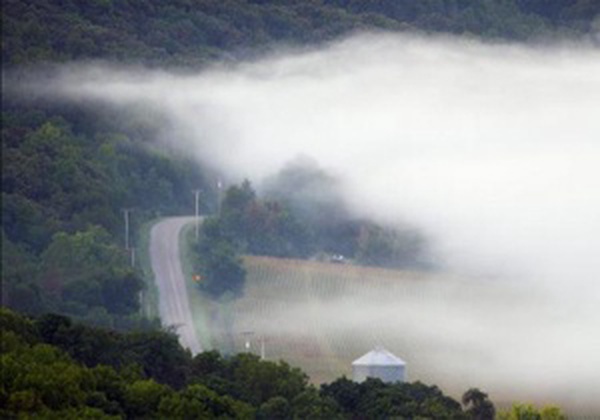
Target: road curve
{"type": "Point", "coordinates": [165, 259]}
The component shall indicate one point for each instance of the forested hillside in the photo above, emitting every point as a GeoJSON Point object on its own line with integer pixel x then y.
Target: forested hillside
{"type": "Point", "coordinates": [66, 182]}
{"type": "Point", "coordinates": [70, 172]}
{"type": "Point", "coordinates": [189, 32]}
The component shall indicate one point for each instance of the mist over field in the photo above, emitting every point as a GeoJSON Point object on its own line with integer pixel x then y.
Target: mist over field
{"type": "Point", "coordinates": [493, 150]}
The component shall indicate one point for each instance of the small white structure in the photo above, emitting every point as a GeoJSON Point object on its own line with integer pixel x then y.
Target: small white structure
{"type": "Point", "coordinates": [381, 364]}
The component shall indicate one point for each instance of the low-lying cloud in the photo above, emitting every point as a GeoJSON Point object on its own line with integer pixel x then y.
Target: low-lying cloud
{"type": "Point", "coordinates": [492, 149]}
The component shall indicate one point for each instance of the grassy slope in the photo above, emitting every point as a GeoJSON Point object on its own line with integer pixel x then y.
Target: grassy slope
{"type": "Point", "coordinates": [298, 307]}
{"type": "Point", "coordinates": [149, 296]}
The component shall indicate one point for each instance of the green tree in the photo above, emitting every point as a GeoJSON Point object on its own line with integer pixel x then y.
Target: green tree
{"type": "Point", "coordinates": [109, 391]}
{"type": "Point", "coordinates": [345, 392]}
{"type": "Point", "coordinates": [22, 327]}
{"type": "Point", "coordinates": [310, 405]}
{"type": "Point", "coordinates": [42, 376]}
{"type": "Point", "coordinates": [276, 408]}
{"type": "Point", "coordinates": [478, 405]}
{"type": "Point", "coordinates": [88, 269]}
{"type": "Point", "coordinates": [259, 381]}
{"type": "Point", "coordinates": [520, 411]}
{"type": "Point", "coordinates": [160, 355]}
{"type": "Point", "coordinates": [390, 247]}
{"type": "Point", "coordinates": [143, 397]}
{"type": "Point", "coordinates": [222, 270]}
{"type": "Point", "coordinates": [197, 401]}
{"type": "Point", "coordinates": [552, 412]}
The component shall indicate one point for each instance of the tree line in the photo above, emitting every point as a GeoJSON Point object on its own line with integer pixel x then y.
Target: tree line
{"type": "Point", "coordinates": [193, 32]}
{"type": "Point", "coordinates": [279, 226]}
{"type": "Point", "coordinates": [52, 367]}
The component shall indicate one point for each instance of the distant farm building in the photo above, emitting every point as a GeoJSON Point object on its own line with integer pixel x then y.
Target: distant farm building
{"type": "Point", "coordinates": [381, 364]}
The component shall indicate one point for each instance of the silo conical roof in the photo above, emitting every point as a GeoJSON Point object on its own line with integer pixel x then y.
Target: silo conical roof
{"type": "Point", "coordinates": [379, 357]}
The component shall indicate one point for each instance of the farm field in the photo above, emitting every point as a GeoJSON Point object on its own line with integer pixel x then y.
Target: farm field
{"type": "Point", "coordinates": [309, 312]}
{"type": "Point", "coordinates": [321, 316]}
{"type": "Point", "coordinates": [452, 331]}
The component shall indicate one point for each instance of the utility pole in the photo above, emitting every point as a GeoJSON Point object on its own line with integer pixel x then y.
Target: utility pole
{"type": "Point", "coordinates": [126, 211]}
{"type": "Point", "coordinates": [197, 197]}
{"type": "Point", "coordinates": [131, 250]}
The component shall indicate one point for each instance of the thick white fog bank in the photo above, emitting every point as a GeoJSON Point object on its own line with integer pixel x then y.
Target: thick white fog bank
{"type": "Point", "coordinates": [493, 150]}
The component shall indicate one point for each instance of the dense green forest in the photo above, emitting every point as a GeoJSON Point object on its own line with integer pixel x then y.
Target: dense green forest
{"type": "Point", "coordinates": [190, 32]}
{"type": "Point", "coordinates": [66, 182]}
{"type": "Point", "coordinates": [53, 367]}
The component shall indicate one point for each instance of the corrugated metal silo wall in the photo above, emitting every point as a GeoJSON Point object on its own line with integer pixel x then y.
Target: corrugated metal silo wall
{"type": "Point", "coordinates": [385, 373]}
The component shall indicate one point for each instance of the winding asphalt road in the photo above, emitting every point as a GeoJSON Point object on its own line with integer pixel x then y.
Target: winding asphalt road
{"type": "Point", "coordinates": [165, 259]}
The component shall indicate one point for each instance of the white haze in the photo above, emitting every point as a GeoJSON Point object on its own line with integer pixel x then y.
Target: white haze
{"type": "Point", "coordinates": [493, 150]}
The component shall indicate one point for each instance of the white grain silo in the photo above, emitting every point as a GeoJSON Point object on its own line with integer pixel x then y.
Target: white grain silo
{"type": "Point", "coordinates": [381, 364]}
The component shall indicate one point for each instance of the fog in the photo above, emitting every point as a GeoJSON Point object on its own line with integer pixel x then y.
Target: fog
{"type": "Point", "coordinates": [493, 150]}
{"type": "Point", "coordinates": [451, 331]}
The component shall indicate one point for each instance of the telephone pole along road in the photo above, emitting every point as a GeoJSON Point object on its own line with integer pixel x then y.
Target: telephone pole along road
{"type": "Point", "coordinates": [174, 307]}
